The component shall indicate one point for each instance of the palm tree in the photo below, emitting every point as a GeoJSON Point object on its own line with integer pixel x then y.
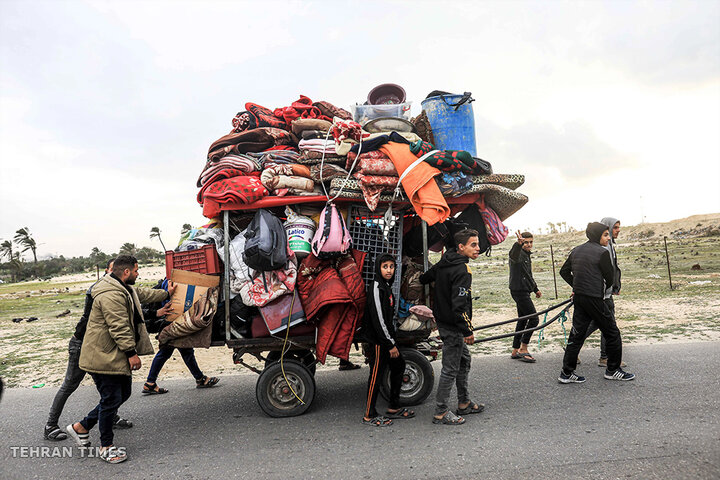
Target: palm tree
{"type": "Point", "coordinates": [128, 249]}
{"type": "Point", "coordinates": [6, 249]}
{"type": "Point", "coordinates": [16, 265]}
{"type": "Point", "coordinates": [185, 228]}
{"type": "Point", "coordinates": [155, 232]}
{"type": "Point", "coordinates": [25, 240]}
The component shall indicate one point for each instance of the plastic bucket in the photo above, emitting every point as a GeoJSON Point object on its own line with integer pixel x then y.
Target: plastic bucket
{"type": "Point", "coordinates": [299, 233]}
{"type": "Point", "coordinates": [452, 122]}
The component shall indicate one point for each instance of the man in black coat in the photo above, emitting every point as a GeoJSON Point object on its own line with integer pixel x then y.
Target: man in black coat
{"type": "Point", "coordinates": [522, 284]}
{"type": "Point", "coordinates": [589, 271]}
{"type": "Point", "coordinates": [452, 308]}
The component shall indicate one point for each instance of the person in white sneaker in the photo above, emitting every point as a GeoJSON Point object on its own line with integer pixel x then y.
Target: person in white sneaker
{"type": "Point", "coordinates": [589, 270]}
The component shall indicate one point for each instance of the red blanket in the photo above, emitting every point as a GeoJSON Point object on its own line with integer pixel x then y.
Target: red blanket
{"type": "Point", "coordinates": [333, 295]}
{"type": "Point", "coordinates": [241, 189]}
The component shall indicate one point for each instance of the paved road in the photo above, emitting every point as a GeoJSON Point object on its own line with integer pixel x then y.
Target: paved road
{"type": "Point", "coordinates": [664, 425]}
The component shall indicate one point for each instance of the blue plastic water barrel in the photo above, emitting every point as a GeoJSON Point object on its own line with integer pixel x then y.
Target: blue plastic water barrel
{"type": "Point", "coordinates": [452, 122]}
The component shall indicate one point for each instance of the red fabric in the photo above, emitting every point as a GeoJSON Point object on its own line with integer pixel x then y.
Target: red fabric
{"type": "Point", "coordinates": [240, 189]}
{"type": "Point", "coordinates": [301, 108]}
{"type": "Point", "coordinates": [222, 174]}
{"type": "Point", "coordinates": [333, 295]}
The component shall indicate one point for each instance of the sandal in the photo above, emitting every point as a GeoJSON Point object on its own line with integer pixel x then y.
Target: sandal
{"type": "Point", "coordinates": [121, 422]}
{"type": "Point", "coordinates": [527, 358]}
{"type": "Point", "coordinates": [378, 421]}
{"type": "Point", "coordinates": [82, 439]}
{"type": "Point", "coordinates": [471, 408]}
{"type": "Point", "coordinates": [113, 455]}
{"type": "Point", "coordinates": [53, 432]}
{"type": "Point", "coordinates": [402, 413]}
{"type": "Point", "coordinates": [153, 389]}
{"type": "Point", "coordinates": [206, 382]}
{"type": "Point", "coordinates": [449, 419]}
{"type": "Point", "coordinates": [515, 356]}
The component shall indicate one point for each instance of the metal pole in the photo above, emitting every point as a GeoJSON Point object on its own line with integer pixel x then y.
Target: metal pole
{"type": "Point", "coordinates": [426, 260]}
{"type": "Point", "coordinates": [552, 258]}
{"type": "Point", "coordinates": [667, 258]}
{"type": "Point", "coordinates": [226, 282]}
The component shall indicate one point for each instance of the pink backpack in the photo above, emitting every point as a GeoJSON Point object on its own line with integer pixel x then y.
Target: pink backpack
{"type": "Point", "coordinates": [497, 232]}
{"type": "Point", "coordinates": [331, 238]}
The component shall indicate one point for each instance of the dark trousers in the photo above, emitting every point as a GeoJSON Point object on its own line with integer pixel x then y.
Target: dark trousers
{"type": "Point", "coordinates": [162, 356]}
{"type": "Point", "coordinates": [456, 361]}
{"type": "Point", "coordinates": [73, 377]}
{"type": "Point", "coordinates": [525, 306]}
{"type": "Point", "coordinates": [114, 391]}
{"type": "Point", "coordinates": [587, 310]}
{"type": "Point", "coordinates": [593, 326]}
{"type": "Point", "coordinates": [380, 361]}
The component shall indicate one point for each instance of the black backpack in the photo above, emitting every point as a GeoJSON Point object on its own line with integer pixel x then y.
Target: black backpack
{"type": "Point", "coordinates": [445, 232]}
{"type": "Point", "coordinates": [266, 245]}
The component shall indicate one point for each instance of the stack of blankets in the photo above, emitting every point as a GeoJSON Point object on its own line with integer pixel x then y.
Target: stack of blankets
{"type": "Point", "coordinates": [270, 152]}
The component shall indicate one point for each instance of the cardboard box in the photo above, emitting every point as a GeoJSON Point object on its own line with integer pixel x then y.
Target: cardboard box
{"type": "Point", "coordinates": [190, 287]}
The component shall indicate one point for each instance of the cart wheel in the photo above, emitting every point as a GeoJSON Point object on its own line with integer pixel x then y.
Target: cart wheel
{"type": "Point", "coordinates": [418, 379]}
{"type": "Point", "coordinates": [274, 394]}
{"type": "Point", "coordinates": [305, 357]}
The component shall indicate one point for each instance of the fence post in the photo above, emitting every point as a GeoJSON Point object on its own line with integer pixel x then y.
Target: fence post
{"type": "Point", "coordinates": [552, 258]}
{"type": "Point", "coordinates": [667, 258]}
{"type": "Point", "coordinates": [97, 271]}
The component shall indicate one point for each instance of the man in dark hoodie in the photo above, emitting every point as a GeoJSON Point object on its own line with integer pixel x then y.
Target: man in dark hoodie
{"type": "Point", "coordinates": [521, 284]}
{"type": "Point", "coordinates": [613, 225]}
{"type": "Point", "coordinates": [589, 271]}
{"type": "Point", "coordinates": [379, 331]}
{"type": "Point", "coordinates": [452, 308]}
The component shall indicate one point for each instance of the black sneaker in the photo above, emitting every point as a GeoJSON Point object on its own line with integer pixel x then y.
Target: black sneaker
{"type": "Point", "coordinates": [570, 378]}
{"type": "Point", "coordinates": [619, 374]}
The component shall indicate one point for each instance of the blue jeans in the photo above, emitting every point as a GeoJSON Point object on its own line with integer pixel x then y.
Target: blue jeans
{"type": "Point", "coordinates": [162, 356]}
{"type": "Point", "coordinates": [455, 370]}
{"type": "Point", "coordinates": [114, 391]}
{"type": "Point", "coordinates": [73, 377]}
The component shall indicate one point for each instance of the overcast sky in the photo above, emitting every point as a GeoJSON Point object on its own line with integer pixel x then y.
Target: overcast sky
{"type": "Point", "coordinates": [107, 109]}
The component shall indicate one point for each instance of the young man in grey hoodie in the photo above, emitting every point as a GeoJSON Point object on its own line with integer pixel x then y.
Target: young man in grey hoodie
{"type": "Point", "coordinates": [613, 225]}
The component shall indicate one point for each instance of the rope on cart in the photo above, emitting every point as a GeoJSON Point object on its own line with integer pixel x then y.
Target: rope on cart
{"type": "Point", "coordinates": [285, 350]}
{"type": "Point", "coordinates": [568, 304]}
{"type": "Point", "coordinates": [525, 317]}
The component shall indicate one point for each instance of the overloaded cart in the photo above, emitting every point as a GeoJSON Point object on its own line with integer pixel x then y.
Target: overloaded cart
{"type": "Point", "coordinates": [303, 199]}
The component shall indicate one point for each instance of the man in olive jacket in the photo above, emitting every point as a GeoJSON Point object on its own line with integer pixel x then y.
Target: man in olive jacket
{"type": "Point", "coordinates": [115, 337]}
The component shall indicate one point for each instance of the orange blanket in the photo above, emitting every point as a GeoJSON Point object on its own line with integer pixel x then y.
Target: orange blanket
{"type": "Point", "coordinates": [419, 186]}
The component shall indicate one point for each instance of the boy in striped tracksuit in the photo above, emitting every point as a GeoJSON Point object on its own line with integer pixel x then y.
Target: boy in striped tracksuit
{"type": "Point", "coordinates": [379, 331]}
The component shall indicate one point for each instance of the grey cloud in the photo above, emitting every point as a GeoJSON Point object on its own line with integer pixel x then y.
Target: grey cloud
{"type": "Point", "coordinates": [575, 150]}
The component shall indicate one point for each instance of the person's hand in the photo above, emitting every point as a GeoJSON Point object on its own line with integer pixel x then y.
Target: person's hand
{"type": "Point", "coordinates": [135, 362]}
{"type": "Point", "coordinates": [470, 339]}
{"type": "Point", "coordinates": [520, 238]}
{"type": "Point", "coordinates": [538, 294]}
{"type": "Point", "coordinates": [171, 288]}
{"type": "Point", "coordinates": [167, 309]}
{"type": "Point", "coordinates": [394, 352]}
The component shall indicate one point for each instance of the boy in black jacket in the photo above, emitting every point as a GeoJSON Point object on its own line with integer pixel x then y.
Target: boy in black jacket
{"type": "Point", "coordinates": [452, 307]}
{"type": "Point", "coordinates": [521, 284]}
{"type": "Point", "coordinates": [379, 331]}
{"type": "Point", "coordinates": [590, 271]}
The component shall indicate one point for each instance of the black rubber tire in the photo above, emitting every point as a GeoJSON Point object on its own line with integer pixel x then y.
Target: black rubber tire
{"type": "Point", "coordinates": [306, 357]}
{"type": "Point", "coordinates": [273, 396]}
{"type": "Point", "coordinates": [418, 380]}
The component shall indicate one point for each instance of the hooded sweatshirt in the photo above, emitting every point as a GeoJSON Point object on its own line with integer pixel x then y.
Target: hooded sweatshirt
{"type": "Point", "coordinates": [615, 287]}
{"type": "Point", "coordinates": [379, 319]}
{"type": "Point", "coordinates": [588, 269]}
{"type": "Point", "coordinates": [452, 301]}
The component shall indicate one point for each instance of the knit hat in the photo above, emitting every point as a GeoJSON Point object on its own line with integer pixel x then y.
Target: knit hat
{"type": "Point", "coordinates": [594, 231]}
